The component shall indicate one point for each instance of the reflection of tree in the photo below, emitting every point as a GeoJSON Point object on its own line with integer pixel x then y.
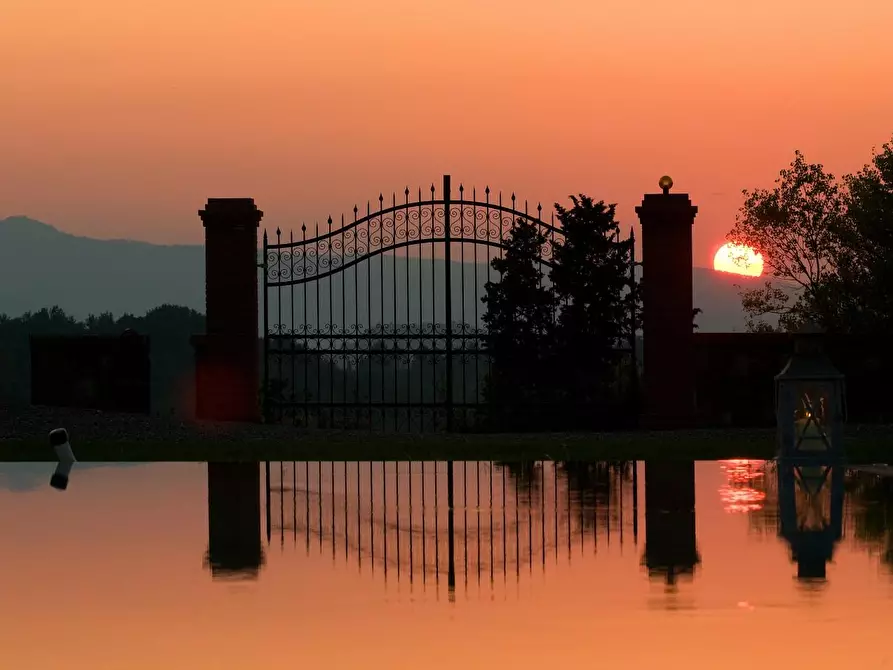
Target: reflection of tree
{"type": "Point", "coordinates": [872, 512]}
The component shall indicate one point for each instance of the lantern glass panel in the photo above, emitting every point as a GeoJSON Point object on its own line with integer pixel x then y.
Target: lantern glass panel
{"type": "Point", "coordinates": [813, 415]}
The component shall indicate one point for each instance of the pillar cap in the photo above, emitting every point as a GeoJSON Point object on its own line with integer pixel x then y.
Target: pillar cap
{"type": "Point", "coordinates": [230, 212]}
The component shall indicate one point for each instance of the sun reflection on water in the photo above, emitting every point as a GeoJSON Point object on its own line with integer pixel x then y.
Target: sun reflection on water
{"type": "Point", "coordinates": [741, 493]}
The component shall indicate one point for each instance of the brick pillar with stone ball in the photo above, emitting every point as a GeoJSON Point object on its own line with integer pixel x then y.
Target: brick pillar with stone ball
{"type": "Point", "coordinates": [227, 355]}
{"type": "Point", "coordinates": [668, 353]}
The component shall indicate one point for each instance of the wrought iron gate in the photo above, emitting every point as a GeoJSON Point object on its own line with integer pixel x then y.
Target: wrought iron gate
{"type": "Point", "coordinates": [376, 321]}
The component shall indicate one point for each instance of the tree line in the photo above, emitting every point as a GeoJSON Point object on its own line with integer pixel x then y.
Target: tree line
{"type": "Point", "coordinates": [169, 328]}
{"type": "Point", "coordinates": [827, 246]}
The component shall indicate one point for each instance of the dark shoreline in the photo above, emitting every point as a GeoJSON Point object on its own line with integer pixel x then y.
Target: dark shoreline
{"type": "Point", "coordinates": [100, 436]}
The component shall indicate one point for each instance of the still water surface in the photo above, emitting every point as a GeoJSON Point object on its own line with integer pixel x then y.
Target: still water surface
{"type": "Point", "coordinates": [363, 565]}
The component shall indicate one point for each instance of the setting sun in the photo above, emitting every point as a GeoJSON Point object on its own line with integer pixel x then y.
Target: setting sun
{"type": "Point", "coordinates": [738, 259]}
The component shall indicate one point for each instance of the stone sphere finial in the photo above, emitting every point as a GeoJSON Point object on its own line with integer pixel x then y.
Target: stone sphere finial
{"type": "Point", "coordinates": [665, 183]}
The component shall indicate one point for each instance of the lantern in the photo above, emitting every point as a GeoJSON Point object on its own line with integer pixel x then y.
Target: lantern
{"type": "Point", "coordinates": [810, 400]}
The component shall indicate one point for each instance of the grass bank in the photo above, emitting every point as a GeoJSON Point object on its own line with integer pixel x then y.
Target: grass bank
{"type": "Point", "coordinates": [865, 444]}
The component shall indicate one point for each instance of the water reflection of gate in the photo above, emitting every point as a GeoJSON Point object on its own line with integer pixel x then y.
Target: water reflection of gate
{"type": "Point", "coordinates": [426, 521]}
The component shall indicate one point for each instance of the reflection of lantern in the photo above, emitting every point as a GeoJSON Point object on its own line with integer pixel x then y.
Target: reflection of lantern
{"type": "Point", "coordinates": [810, 402]}
{"type": "Point", "coordinates": [811, 514]}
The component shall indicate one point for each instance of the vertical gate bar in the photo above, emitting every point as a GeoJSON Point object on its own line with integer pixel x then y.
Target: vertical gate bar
{"type": "Point", "coordinates": [267, 517]}
{"type": "Point", "coordinates": [395, 342]}
{"type": "Point", "coordinates": [434, 340]}
{"type": "Point", "coordinates": [476, 329]}
{"type": "Point", "coordinates": [356, 320]}
{"type": "Point", "coordinates": [634, 356]}
{"type": "Point", "coordinates": [384, 511]}
{"type": "Point", "coordinates": [382, 346]}
{"type": "Point", "coordinates": [448, 298]}
{"type": "Point", "coordinates": [319, 500]}
{"type": "Point", "coordinates": [346, 505]}
{"type": "Point", "coordinates": [539, 229]}
{"type": "Point", "coordinates": [369, 328]}
{"type": "Point", "coordinates": [424, 526]}
{"type": "Point", "coordinates": [635, 502]}
{"type": "Point", "coordinates": [421, 341]}
{"type": "Point", "coordinates": [487, 211]}
{"type": "Point", "coordinates": [332, 480]}
{"type": "Point", "coordinates": [266, 332]}
{"type": "Point", "coordinates": [408, 343]}
{"type": "Point", "coordinates": [304, 329]}
{"type": "Point", "coordinates": [359, 521]}
{"type": "Point", "coordinates": [330, 327]}
{"type": "Point", "coordinates": [319, 329]}
{"type": "Point", "coordinates": [293, 341]}
{"type": "Point", "coordinates": [436, 530]}
{"type": "Point", "coordinates": [463, 328]}
{"type": "Point", "coordinates": [344, 330]}
{"type": "Point", "coordinates": [279, 325]}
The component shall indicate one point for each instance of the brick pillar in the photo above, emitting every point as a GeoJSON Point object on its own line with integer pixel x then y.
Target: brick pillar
{"type": "Point", "coordinates": [668, 356]}
{"type": "Point", "coordinates": [227, 356]}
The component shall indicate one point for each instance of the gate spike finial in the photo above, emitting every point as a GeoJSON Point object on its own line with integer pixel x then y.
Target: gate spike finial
{"type": "Point", "coordinates": [278, 232]}
{"type": "Point", "coordinates": [265, 235]}
{"type": "Point", "coordinates": [330, 221]}
{"type": "Point", "coordinates": [303, 228]}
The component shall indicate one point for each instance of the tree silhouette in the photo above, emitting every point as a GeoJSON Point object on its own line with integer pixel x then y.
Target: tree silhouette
{"type": "Point", "coordinates": [592, 282]}
{"type": "Point", "coordinates": [520, 311]}
{"type": "Point", "coordinates": [863, 287]}
{"type": "Point", "coordinates": [795, 226]}
{"type": "Point", "coordinates": [827, 245]}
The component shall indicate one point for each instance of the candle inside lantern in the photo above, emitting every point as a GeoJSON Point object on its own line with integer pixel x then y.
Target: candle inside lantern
{"type": "Point", "coordinates": [809, 434]}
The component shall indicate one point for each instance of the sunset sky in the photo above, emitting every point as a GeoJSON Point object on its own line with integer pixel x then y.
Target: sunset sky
{"type": "Point", "coordinates": [119, 119]}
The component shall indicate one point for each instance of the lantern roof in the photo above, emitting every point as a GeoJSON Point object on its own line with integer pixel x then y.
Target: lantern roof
{"type": "Point", "coordinates": [809, 361]}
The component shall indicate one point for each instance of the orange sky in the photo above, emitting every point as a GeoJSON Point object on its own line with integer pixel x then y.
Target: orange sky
{"type": "Point", "coordinates": [120, 119]}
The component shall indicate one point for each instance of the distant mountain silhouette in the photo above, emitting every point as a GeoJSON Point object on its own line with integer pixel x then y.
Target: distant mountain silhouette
{"type": "Point", "coordinates": [41, 266]}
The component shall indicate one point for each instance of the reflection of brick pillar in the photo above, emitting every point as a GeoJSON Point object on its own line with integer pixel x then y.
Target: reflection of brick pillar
{"type": "Point", "coordinates": [668, 356]}
{"type": "Point", "coordinates": [227, 365]}
{"type": "Point", "coordinates": [671, 548]}
{"type": "Point", "coordinates": [234, 542]}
